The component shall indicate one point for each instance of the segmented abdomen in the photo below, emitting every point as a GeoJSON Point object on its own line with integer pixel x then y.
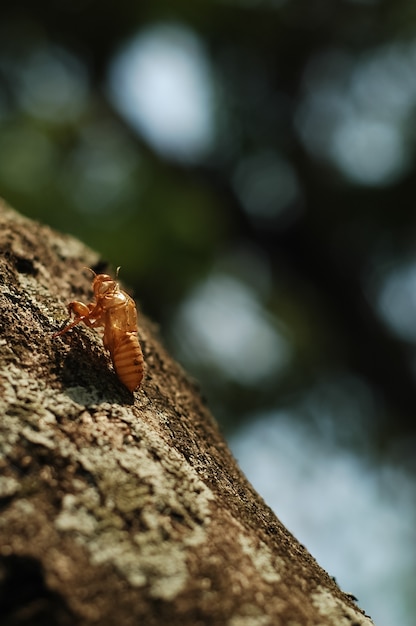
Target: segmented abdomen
{"type": "Point", "coordinates": [128, 361]}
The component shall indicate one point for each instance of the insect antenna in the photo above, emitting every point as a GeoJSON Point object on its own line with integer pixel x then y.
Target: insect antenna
{"type": "Point", "coordinates": [90, 270]}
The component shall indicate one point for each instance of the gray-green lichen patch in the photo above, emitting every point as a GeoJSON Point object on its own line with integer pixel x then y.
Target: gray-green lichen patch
{"type": "Point", "coordinates": [337, 612]}
{"type": "Point", "coordinates": [268, 565]}
{"type": "Point", "coordinates": [9, 486]}
{"type": "Point", "coordinates": [132, 484]}
{"type": "Point", "coordinates": [132, 502]}
{"type": "Point", "coordinates": [252, 616]}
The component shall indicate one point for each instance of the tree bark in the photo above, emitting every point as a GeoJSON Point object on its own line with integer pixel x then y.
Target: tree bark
{"type": "Point", "coordinates": [118, 508]}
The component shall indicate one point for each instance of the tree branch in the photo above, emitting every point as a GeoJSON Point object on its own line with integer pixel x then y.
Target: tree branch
{"type": "Point", "coordinates": [122, 509]}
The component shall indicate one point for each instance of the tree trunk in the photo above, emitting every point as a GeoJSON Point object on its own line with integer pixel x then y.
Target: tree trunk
{"type": "Point", "coordinates": [118, 508]}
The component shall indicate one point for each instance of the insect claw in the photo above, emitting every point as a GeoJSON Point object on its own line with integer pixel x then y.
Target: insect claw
{"type": "Point", "coordinates": [59, 332]}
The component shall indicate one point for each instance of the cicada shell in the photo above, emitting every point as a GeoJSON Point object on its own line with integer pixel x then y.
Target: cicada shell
{"type": "Point", "coordinates": [116, 312]}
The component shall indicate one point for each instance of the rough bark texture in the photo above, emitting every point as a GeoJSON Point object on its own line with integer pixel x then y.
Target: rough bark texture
{"type": "Point", "coordinates": [122, 509]}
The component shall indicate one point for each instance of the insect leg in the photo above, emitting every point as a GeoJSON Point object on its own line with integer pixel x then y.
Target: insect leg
{"type": "Point", "coordinates": [81, 312]}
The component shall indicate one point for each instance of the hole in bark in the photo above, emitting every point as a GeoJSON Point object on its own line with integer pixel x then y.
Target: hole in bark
{"type": "Point", "coordinates": [25, 266]}
{"type": "Point", "coordinates": [4, 502]}
{"type": "Point", "coordinates": [25, 599]}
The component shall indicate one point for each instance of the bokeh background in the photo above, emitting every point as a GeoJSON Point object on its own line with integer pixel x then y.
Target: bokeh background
{"type": "Point", "coordinates": [250, 164]}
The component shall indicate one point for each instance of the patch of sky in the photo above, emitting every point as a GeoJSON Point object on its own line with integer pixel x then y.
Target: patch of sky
{"type": "Point", "coordinates": [396, 300]}
{"type": "Point", "coordinates": [223, 323]}
{"type": "Point", "coordinates": [356, 111]}
{"type": "Point", "coordinates": [161, 81]}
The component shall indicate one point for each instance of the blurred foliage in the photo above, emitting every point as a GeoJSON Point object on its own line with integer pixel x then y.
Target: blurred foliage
{"type": "Point", "coordinates": [283, 202]}
{"type": "Point", "coordinates": [276, 245]}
